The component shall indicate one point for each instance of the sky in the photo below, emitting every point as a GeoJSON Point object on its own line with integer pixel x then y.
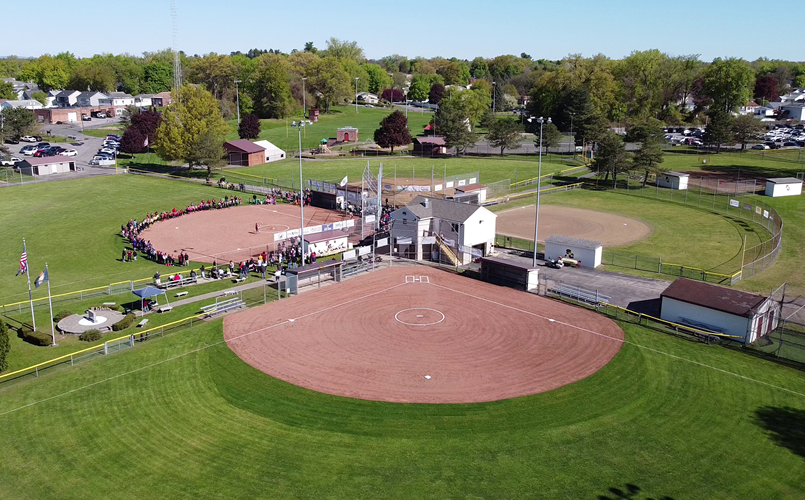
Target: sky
{"type": "Point", "coordinates": [467, 29]}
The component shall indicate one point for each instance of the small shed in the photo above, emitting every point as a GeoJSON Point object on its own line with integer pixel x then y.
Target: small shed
{"type": "Point", "coordinates": [244, 153]}
{"type": "Point", "coordinates": [783, 186]}
{"type": "Point", "coordinates": [272, 152]}
{"type": "Point", "coordinates": [719, 309]}
{"type": "Point", "coordinates": [46, 165]}
{"type": "Point", "coordinates": [472, 193]}
{"type": "Point", "coordinates": [672, 180]}
{"type": "Point", "coordinates": [429, 145]}
{"type": "Point", "coordinates": [313, 114]}
{"type": "Point", "coordinates": [509, 273]}
{"type": "Point", "coordinates": [346, 134]}
{"type": "Point", "coordinates": [587, 253]}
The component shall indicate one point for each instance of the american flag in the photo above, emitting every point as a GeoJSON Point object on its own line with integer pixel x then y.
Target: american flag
{"type": "Point", "coordinates": [23, 261]}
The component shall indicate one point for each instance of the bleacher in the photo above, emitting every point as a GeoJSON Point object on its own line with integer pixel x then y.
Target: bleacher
{"type": "Point", "coordinates": [223, 306]}
{"type": "Point", "coordinates": [580, 294]}
{"type": "Point", "coordinates": [167, 285]}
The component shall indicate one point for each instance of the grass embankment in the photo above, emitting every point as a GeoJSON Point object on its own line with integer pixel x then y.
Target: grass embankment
{"type": "Point", "coordinates": [184, 414]}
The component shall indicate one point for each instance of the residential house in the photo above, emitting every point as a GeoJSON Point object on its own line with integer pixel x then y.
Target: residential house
{"type": "Point", "coordinates": [796, 95]}
{"type": "Point", "coordinates": [90, 98]}
{"type": "Point", "coordinates": [22, 103]}
{"type": "Point", "coordinates": [67, 98]}
{"type": "Point", "coordinates": [793, 111]}
{"type": "Point", "coordinates": [21, 87]}
{"type": "Point", "coordinates": [118, 100]}
{"type": "Point", "coordinates": [749, 108]}
{"type": "Point", "coordinates": [161, 99]}
{"type": "Point", "coordinates": [367, 98]}
{"type": "Point", "coordinates": [143, 100]}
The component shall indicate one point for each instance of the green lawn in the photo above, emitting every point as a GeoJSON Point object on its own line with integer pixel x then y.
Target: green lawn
{"type": "Point", "coordinates": [104, 131]}
{"type": "Point", "coordinates": [282, 134]}
{"type": "Point", "coordinates": [183, 417]}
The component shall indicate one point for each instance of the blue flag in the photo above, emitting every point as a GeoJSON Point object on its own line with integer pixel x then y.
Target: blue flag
{"type": "Point", "coordinates": [43, 276]}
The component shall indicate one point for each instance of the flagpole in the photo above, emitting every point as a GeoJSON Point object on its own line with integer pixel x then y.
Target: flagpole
{"type": "Point", "coordinates": [28, 275]}
{"type": "Point", "coordinates": [50, 303]}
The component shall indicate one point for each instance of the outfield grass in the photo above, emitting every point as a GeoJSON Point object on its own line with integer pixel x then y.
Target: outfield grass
{"type": "Point", "coordinates": [193, 421]}
{"type": "Point", "coordinates": [491, 169]}
{"type": "Point", "coordinates": [367, 120]}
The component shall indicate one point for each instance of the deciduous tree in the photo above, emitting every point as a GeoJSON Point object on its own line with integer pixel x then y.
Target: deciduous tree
{"type": "Point", "coordinates": [719, 129]}
{"type": "Point", "coordinates": [729, 83]}
{"type": "Point", "coordinates": [7, 91]}
{"type": "Point", "coordinates": [420, 87]}
{"type": "Point", "coordinates": [328, 78]}
{"type": "Point", "coordinates": [505, 134]}
{"type": "Point", "coordinates": [453, 123]}
{"type": "Point", "coordinates": [270, 87]}
{"type": "Point", "coordinates": [41, 97]}
{"type": "Point", "coordinates": [133, 141]}
{"type": "Point", "coordinates": [157, 77]}
{"type": "Point", "coordinates": [249, 127]}
{"type": "Point", "coordinates": [766, 88]}
{"type": "Point", "coordinates": [551, 136]}
{"type": "Point", "coordinates": [207, 151]}
{"type": "Point", "coordinates": [392, 95]}
{"type": "Point", "coordinates": [378, 79]}
{"type": "Point", "coordinates": [192, 121]}
{"type": "Point", "coordinates": [19, 122]}
{"type": "Point", "coordinates": [650, 155]}
{"type": "Point", "coordinates": [611, 157]}
{"type": "Point", "coordinates": [344, 49]}
{"type": "Point", "coordinates": [393, 131]}
{"type": "Point", "coordinates": [436, 93]}
{"type": "Point", "coordinates": [747, 128]}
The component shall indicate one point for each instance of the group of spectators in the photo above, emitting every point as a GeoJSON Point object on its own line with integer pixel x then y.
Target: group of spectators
{"type": "Point", "coordinates": [287, 255]}
{"type": "Point", "coordinates": [132, 229]}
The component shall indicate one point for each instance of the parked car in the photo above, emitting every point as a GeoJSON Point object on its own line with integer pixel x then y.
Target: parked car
{"type": "Point", "coordinates": [28, 150]}
{"type": "Point", "coordinates": [789, 144]}
{"type": "Point", "coordinates": [760, 146]}
{"type": "Point", "coordinates": [28, 138]}
{"type": "Point", "coordinates": [11, 161]}
{"type": "Point", "coordinates": [114, 137]}
{"type": "Point", "coordinates": [43, 145]}
{"type": "Point", "coordinates": [86, 117]}
{"type": "Point", "coordinates": [100, 114]}
{"type": "Point", "coordinates": [69, 152]}
{"type": "Point", "coordinates": [42, 153]}
{"type": "Point", "coordinates": [109, 151]}
{"type": "Point", "coordinates": [12, 140]}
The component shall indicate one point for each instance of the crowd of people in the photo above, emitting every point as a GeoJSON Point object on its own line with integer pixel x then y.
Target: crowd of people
{"type": "Point", "coordinates": [132, 229]}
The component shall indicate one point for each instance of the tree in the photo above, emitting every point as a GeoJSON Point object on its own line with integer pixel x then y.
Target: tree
{"type": "Point", "coordinates": [378, 78]}
{"type": "Point", "coordinates": [504, 134]}
{"type": "Point", "coordinates": [147, 122]}
{"type": "Point", "coordinates": [392, 95]}
{"type": "Point", "coordinates": [729, 82]}
{"type": "Point", "coordinates": [216, 72]}
{"type": "Point", "coordinates": [344, 49]}
{"type": "Point", "coordinates": [479, 68]}
{"type": "Point", "coordinates": [249, 127]}
{"type": "Point", "coordinates": [7, 91]}
{"type": "Point", "coordinates": [453, 123]}
{"type": "Point", "coordinates": [328, 78]}
{"type": "Point", "coordinates": [41, 97]}
{"type": "Point", "coordinates": [19, 122]}
{"type": "Point", "coordinates": [133, 141]}
{"type": "Point", "coordinates": [5, 347]}
{"type": "Point", "coordinates": [766, 88]}
{"type": "Point", "coordinates": [393, 131]}
{"type": "Point", "coordinates": [650, 155]}
{"type": "Point", "coordinates": [611, 156]}
{"type": "Point", "coordinates": [158, 77]}
{"type": "Point", "coordinates": [747, 128]}
{"type": "Point", "coordinates": [436, 93]}
{"type": "Point", "coordinates": [309, 47]}
{"type": "Point", "coordinates": [551, 136]}
{"type": "Point", "coordinates": [719, 129]}
{"type": "Point", "coordinates": [47, 72]}
{"type": "Point", "coordinates": [93, 74]}
{"type": "Point", "coordinates": [420, 87]}
{"type": "Point", "coordinates": [191, 122]}
{"type": "Point", "coordinates": [270, 87]}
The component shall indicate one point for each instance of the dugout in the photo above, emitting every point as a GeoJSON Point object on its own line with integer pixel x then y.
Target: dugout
{"type": "Point", "coordinates": [312, 274]}
{"type": "Point", "coordinates": [509, 273]}
{"type": "Point", "coordinates": [587, 253]}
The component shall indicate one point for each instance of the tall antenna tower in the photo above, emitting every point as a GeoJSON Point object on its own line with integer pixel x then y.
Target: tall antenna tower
{"type": "Point", "coordinates": [177, 66]}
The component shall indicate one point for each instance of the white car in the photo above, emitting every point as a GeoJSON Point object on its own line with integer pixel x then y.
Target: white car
{"type": "Point", "coordinates": [10, 162]}
{"type": "Point", "coordinates": [28, 138]}
{"type": "Point", "coordinates": [69, 152]}
{"type": "Point", "coordinates": [28, 150]}
{"type": "Point", "coordinates": [109, 151]}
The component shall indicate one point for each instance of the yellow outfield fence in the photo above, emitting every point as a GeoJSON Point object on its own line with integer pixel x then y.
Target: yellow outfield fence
{"type": "Point", "coordinates": [109, 346]}
{"type": "Point", "coordinates": [533, 180]}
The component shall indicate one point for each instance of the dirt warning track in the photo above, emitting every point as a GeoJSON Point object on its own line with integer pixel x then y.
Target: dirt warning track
{"type": "Point", "coordinates": [437, 338]}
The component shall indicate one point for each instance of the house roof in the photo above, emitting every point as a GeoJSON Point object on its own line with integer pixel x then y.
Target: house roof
{"type": "Point", "coordinates": [268, 146]}
{"type": "Point", "coordinates": [793, 105]}
{"type": "Point", "coordinates": [118, 95]}
{"type": "Point", "coordinates": [144, 96]}
{"type": "Point", "coordinates": [23, 103]}
{"type": "Point", "coordinates": [470, 187]}
{"type": "Point", "coordinates": [716, 297]}
{"type": "Point", "coordinates": [505, 262]}
{"type": "Point", "coordinates": [90, 93]}
{"type": "Point", "coordinates": [433, 141]}
{"type": "Point", "coordinates": [676, 174]}
{"type": "Point", "coordinates": [243, 146]}
{"type": "Point", "coordinates": [784, 180]}
{"type": "Point", "coordinates": [68, 93]}
{"type": "Point", "coordinates": [573, 242]}
{"type": "Point", "coordinates": [48, 160]}
{"type": "Point", "coordinates": [453, 211]}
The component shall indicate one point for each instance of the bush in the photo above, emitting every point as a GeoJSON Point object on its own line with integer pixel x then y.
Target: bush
{"type": "Point", "coordinates": [90, 335]}
{"type": "Point", "coordinates": [61, 315]}
{"type": "Point", "coordinates": [124, 323]}
{"type": "Point", "coordinates": [33, 337]}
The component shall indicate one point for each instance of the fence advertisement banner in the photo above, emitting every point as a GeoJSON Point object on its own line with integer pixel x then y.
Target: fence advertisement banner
{"type": "Point", "coordinates": [429, 240]}
{"type": "Point", "coordinates": [382, 243]}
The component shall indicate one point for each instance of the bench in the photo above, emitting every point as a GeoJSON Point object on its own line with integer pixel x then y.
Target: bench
{"type": "Point", "coordinates": [164, 309]}
{"type": "Point", "coordinates": [240, 280]}
{"type": "Point", "coordinates": [167, 285]}
{"type": "Point", "coordinates": [109, 303]}
{"type": "Point", "coordinates": [181, 294]}
{"type": "Point", "coordinates": [580, 294]}
{"type": "Point", "coordinates": [222, 306]}
{"type": "Point", "coordinates": [229, 292]}
{"type": "Point", "coordinates": [142, 323]}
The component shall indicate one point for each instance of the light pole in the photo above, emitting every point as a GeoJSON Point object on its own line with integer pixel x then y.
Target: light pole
{"type": "Point", "coordinates": [304, 105]}
{"type": "Point", "coordinates": [572, 140]}
{"type": "Point", "coordinates": [539, 185]}
{"type": "Point", "coordinates": [356, 93]}
{"type": "Point", "coordinates": [237, 97]}
{"type": "Point", "coordinates": [299, 126]}
{"type": "Point", "coordinates": [494, 87]}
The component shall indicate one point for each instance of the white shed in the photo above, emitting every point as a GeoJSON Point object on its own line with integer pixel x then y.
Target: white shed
{"type": "Point", "coordinates": [673, 180]}
{"type": "Point", "coordinates": [719, 309]}
{"type": "Point", "coordinates": [587, 252]}
{"type": "Point", "coordinates": [273, 153]}
{"type": "Point", "coordinates": [783, 186]}
{"type": "Point", "coordinates": [47, 165]}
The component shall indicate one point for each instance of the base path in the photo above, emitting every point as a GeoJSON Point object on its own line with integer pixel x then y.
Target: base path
{"type": "Point", "coordinates": [610, 229]}
{"type": "Point", "coordinates": [421, 335]}
{"type": "Point", "coordinates": [229, 233]}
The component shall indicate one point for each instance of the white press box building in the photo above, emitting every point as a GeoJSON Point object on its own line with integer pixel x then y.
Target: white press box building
{"type": "Point", "coordinates": [423, 228]}
{"type": "Point", "coordinates": [783, 186]}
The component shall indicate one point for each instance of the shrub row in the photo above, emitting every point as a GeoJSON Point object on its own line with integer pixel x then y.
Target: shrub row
{"type": "Point", "coordinates": [90, 335]}
{"type": "Point", "coordinates": [61, 315]}
{"type": "Point", "coordinates": [124, 323]}
{"type": "Point", "coordinates": [33, 337]}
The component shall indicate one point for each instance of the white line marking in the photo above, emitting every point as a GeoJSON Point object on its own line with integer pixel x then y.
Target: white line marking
{"type": "Point", "coordinates": [419, 316]}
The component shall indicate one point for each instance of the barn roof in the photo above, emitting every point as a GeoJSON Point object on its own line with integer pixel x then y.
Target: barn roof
{"type": "Point", "coordinates": [242, 146]}
{"type": "Point", "coordinates": [784, 180]}
{"type": "Point", "coordinates": [716, 297]}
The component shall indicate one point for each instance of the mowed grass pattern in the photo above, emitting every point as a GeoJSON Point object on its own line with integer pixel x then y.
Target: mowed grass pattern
{"type": "Point", "coordinates": [183, 417]}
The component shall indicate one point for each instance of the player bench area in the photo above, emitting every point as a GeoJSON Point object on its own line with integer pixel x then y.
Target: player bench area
{"type": "Point", "coordinates": [171, 283]}
{"type": "Point", "coordinates": [222, 305]}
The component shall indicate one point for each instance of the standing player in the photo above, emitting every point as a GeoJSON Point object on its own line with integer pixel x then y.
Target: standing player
{"type": "Point", "coordinates": [256, 228]}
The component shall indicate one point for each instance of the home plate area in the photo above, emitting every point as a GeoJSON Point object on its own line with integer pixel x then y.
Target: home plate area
{"type": "Point", "coordinates": [427, 336]}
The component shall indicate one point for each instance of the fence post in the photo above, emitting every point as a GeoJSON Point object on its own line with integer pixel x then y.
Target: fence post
{"type": "Point", "coordinates": [110, 289]}
{"type": "Point", "coordinates": [71, 360]}
{"type": "Point", "coordinates": [659, 268]}
{"type": "Point", "coordinates": [105, 348]}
